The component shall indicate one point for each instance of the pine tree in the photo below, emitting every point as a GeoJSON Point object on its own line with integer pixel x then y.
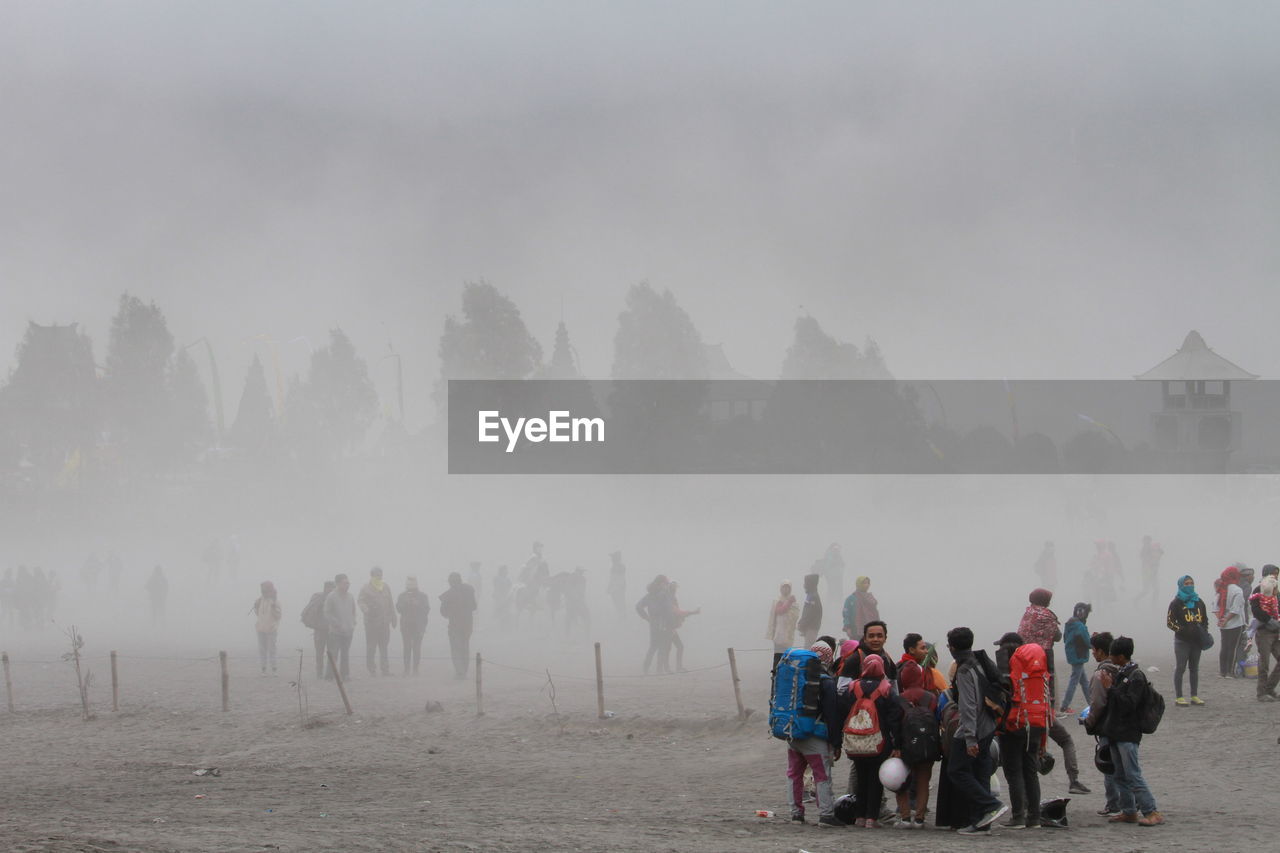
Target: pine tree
{"type": "Point", "coordinates": [137, 393]}
{"type": "Point", "coordinates": [190, 429]}
{"type": "Point", "coordinates": [656, 339]}
{"type": "Point", "coordinates": [337, 403]}
{"type": "Point", "coordinates": [254, 428]}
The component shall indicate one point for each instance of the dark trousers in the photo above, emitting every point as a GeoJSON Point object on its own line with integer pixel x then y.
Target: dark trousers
{"type": "Point", "coordinates": [869, 791]}
{"type": "Point", "coordinates": [411, 638]}
{"type": "Point", "coordinates": [971, 775]}
{"type": "Point", "coordinates": [321, 641]}
{"type": "Point", "coordinates": [1229, 653]}
{"type": "Point", "coordinates": [377, 636]}
{"type": "Point", "coordinates": [340, 648]}
{"type": "Point", "coordinates": [1186, 656]}
{"type": "Point", "coordinates": [1020, 760]}
{"type": "Point", "coordinates": [460, 649]}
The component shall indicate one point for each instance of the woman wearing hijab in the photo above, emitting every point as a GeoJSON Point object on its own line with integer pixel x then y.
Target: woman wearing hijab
{"type": "Point", "coordinates": [783, 615]}
{"type": "Point", "coordinates": [1231, 617]}
{"type": "Point", "coordinates": [267, 610]}
{"type": "Point", "coordinates": [918, 700]}
{"type": "Point", "coordinates": [870, 791]}
{"type": "Point", "coordinates": [1188, 620]}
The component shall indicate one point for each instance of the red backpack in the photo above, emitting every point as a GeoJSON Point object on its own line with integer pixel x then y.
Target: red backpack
{"type": "Point", "coordinates": [862, 735]}
{"type": "Point", "coordinates": [1029, 680]}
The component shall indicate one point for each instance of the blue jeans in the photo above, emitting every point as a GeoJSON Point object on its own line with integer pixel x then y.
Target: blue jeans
{"type": "Point", "coordinates": [1134, 794]}
{"type": "Point", "coordinates": [1076, 677]}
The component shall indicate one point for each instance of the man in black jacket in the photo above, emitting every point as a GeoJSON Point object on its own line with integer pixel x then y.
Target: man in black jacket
{"type": "Point", "coordinates": [1126, 694]}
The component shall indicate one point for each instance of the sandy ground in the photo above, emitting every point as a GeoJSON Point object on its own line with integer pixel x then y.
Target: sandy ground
{"type": "Point", "coordinates": [673, 770]}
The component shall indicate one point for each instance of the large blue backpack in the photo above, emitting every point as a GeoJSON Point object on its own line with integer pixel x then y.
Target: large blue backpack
{"type": "Point", "coordinates": [794, 712]}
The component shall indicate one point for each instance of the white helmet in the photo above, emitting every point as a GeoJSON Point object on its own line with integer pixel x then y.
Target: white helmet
{"type": "Point", "coordinates": [893, 773]}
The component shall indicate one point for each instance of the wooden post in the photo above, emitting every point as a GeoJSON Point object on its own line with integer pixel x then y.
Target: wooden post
{"type": "Point", "coordinates": [8, 683]}
{"type": "Point", "coordinates": [479, 694]}
{"type": "Point", "coordinates": [226, 682]}
{"type": "Point", "coordinates": [115, 684]}
{"type": "Point", "coordinates": [337, 676]}
{"type": "Point", "coordinates": [737, 689]}
{"type": "Point", "coordinates": [599, 685]}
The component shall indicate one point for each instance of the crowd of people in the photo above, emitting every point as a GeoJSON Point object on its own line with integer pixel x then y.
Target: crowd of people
{"type": "Point", "coordinates": [895, 719]}
{"type": "Point", "coordinates": [29, 597]}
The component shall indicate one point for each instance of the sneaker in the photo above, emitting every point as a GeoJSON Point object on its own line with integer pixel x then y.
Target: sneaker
{"type": "Point", "coordinates": [1196, 700]}
{"type": "Point", "coordinates": [1032, 824]}
{"type": "Point", "coordinates": [974, 830]}
{"type": "Point", "coordinates": [991, 817]}
{"type": "Point", "coordinates": [1266, 697]}
{"type": "Point", "coordinates": [831, 820]}
{"type": "Point", "coordinates": [904, 823]}
{"type": "Point", "coordinates": [1124, 817]}
{"type": "Point", "coordinates": [1109, 812]}
{"type": "Point", "coordinates": [918, 823]}
{"type": "Point", "coordinates": [872, 824]}
{"type": "Point", "coordinates": [1181, 703]}
{"type": "Point", "coordinates": [798, 817]}
{"type": "Point", "coordinates": [860, 822]}
{"type": "Point", "coordinates": [1015, 822]}
{"type": "Point", "coordinates": [1077, 788]}
{"type": "Point", "coordinates": [1066, 712]}
{"type": "Point", "coordinates": [1151, 819]}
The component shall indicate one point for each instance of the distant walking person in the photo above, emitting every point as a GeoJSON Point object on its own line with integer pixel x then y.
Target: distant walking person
{"type": "Point", "coordinates": [379, 618]}
{"type": "Point", "coordinates": [268, 612]}
{"type": "Point", "coordinates": [1190, 626]}
{"type": "Point", "coordinates": [1149, 559]}
{"type": "Point", "coordinates": [458, 605]}
{"type": "Point", "coordinates": [157, 592]}
{"type": "Point", "coordinates": [1075, 642]}
{"type": "Point", "coordinates": [413, 607]}
{"type": "Point", "coordinates": [313, 618]}
{"type": "Point", "coordinates": [810, 623]}
{"type": "Point", "coordinates": [340, 614]}
{"type": "Point", "coordinates": [784, 613]}
{"type": "Point", "coordinates": [617, 588]}
{"type": "Point", "coordinates": [657, 609]}
{"type": "Point", "coordinates": [678, 615]}
{"type": "Point", "coordinates": [1231, 615]}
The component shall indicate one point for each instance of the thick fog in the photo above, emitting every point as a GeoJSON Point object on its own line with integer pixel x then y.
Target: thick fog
{"type": "Point", "coordinates": [986, 190]}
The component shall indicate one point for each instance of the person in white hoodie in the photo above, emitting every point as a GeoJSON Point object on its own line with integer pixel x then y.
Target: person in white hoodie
{"type": "Point", "coordinates": [267, 610]}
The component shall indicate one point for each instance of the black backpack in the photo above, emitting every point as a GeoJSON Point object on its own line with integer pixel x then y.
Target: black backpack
{"type": "Point", "coordinates": [921, 736]}
{"type": "Point", "coordinates": [313, 613]}
{"type": "Point", "coordinates": [996, 698]}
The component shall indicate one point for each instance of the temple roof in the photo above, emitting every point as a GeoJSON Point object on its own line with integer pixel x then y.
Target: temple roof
{"type": "Point", "coordinates": [1195, 361]}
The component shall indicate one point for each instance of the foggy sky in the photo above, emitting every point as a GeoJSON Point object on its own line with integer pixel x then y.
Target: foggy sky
{"type": "Point", "coordinates": [988, 190]}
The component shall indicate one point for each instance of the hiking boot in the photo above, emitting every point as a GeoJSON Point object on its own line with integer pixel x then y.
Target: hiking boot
{"type": "Point", "coordinates": [1181, 703]}
{"type": "Point", "coordinates": [1151, 819]}
{"type": "Point", "coordinates": [1196, 700]}
{"type": "Point", "coordinates": [1124, 817]}
{"type": "Point", "coordinates": [991, 817]}
{"type": "Point", "coordinates": [1076, 787]}
{"type": "Point", "coordinates": [832, 821]}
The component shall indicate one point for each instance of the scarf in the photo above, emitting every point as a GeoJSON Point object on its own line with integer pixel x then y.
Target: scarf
{"type": "Point", "coordinates": [783, 605]}
{"type": "Point", "coordinates": [377, 584]}
{"type": "Point", "coordinates": [1230, 576]}
{"type": "Point", "coordinates": [1187, 595]}
{"type": "Point", "coordinates": [1266, 599]}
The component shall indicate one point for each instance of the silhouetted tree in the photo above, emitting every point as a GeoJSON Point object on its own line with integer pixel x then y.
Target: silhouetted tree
{"type": "Point", "coordinates": [564, 360]}
{"type": "Point", "coordinates": [337, 402]}
{"type": "Point", "coordinates": [189, 426]}
{"type": "Point", "coordinates": [254, 428]}
{"type": "Point", "coordinates": [51, 405]}
{"type": "Point", "coordinates": [656, 339]}
{"type": "Point", "coordinates": [137, 393]}
{"type": "Point", "coordinates": [814, 354]}
{"type": "Point", "coordinates": [490, 341]}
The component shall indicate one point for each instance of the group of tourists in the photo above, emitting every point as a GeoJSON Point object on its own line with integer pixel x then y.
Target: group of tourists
{"type": "Point", "coordinates": [895, 717]}
{"type": "Point", "coordinates": [660, 607]}
{"type": "Point", "coordinates": [28, 597]}
{"type": "Point", "coordinates": [333, 612]}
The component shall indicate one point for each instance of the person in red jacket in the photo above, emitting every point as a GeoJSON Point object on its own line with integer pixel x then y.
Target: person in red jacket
{"type": "Point", "coordinates": [1024, 733]}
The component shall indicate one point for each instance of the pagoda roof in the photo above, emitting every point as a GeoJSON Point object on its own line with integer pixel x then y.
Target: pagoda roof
{"type": "Point", "coordinates": [1195, 361]}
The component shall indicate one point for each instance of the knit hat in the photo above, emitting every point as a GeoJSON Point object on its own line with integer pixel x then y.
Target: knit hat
{"type": "Point", "coordinates": [823, 651]}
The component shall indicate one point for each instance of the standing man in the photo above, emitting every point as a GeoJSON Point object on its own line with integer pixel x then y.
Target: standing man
{"type": "Point", "coordinates": [313, 618]}
{"type": "Point", "coordinates": [413, 607]}
{"type": "Point", "coordinates": [340, 615]}
{"type": "Point", "coordinates": [969, 765]}
{"type": "Point", "coordinates": [379, 618]}
{"type": "Point", "coordinates": [1126, 691]}
{"type": "Point", "coordinates": [457, 605]}
{"type": "Point", "coordinates": [1100, 644]}
{"type": "Point", "coordinates": [267, 623]}
{"type": "Point", "coordinates": [617, 588]}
